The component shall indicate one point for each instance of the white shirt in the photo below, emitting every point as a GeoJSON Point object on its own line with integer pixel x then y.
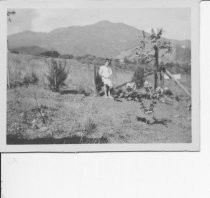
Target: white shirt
{"type": "Point", "coordinates": [105, 71]}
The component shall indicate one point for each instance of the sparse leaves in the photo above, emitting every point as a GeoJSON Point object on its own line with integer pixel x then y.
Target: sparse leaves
{"type": "Point", "coordinates": [147, 44]}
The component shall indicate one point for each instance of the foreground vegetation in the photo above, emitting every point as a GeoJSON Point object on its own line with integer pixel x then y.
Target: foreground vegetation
{"type": "Point", "coordinates": [36, 114]}
{"type": "Point", "coordinates": [93, 118]}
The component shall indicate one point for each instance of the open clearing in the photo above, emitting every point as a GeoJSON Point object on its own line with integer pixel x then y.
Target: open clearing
{"type": "Point", "coordinates": [99, 119]}
{"type": "Point", "coordinates": [36, 115]}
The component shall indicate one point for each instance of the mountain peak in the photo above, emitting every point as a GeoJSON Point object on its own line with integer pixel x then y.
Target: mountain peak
{"type": "Point", "coordinates": [104, 22]}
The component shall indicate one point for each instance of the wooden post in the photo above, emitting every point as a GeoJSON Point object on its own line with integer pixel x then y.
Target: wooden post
{"type": "Point", "coordinates": [156, 67]}
{"type": "Point", "coordinates": [8, 76]}
{"type": "Point", "coordinates": [8, 69]}
{"type": "Point", "coordinates": [161, 79]}
{"type": "Point", "coordinates": [94, 80]}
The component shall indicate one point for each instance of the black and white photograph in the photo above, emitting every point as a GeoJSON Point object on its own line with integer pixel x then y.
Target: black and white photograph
{"type": "Point", "coordinates": [99, 76]}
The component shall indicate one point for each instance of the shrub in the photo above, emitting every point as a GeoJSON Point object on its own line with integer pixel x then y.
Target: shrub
{"type": "Point", "coordinates": [89, 125]}
{"type": "Point", "coordinates": [139, 76]}
{"type": "Point", "coordinates": [14, 51]}
{"type": "Point", "coordinates": [53, 54]}
{"type": "Point", "coordinates": [186, 68]}
{"type": "Point", "coordinates": [116, 63]}
{"type": "Point", "coordinates": [57, 74]}
{"type": "Point", "coordinates": [66, 56]}
{"type": "Point", "coordinates": [84, 90]}
{"type": "Point", "coordinates": [126, 60]}
{"type": "Point", "coordinates": [98, 79]}
{"type": "Point", "coordinates": [30, 78]}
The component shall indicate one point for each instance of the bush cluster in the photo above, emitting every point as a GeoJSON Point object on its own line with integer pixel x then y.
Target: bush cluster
{"type": "Point", "coordinates": [30, 78]}
{"type": "Point", "coordinates": [57, 74]}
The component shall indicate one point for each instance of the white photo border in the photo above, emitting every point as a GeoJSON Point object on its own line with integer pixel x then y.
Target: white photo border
{"type": "Point", "coordinates": [194, 5]}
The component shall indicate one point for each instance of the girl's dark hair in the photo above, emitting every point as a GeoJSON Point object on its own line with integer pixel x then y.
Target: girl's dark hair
{"type": "Point", "coordinates": [108, 60]}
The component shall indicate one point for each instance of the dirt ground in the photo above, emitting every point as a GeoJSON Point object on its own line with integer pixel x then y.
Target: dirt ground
{"type": "Point", "coordinates": [36, 115]}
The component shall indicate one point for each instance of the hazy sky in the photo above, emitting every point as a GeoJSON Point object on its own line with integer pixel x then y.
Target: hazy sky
{"type": "Point", "coordinates": [175, 21]}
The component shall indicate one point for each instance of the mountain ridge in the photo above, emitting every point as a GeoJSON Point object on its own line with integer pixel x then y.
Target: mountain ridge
{"type": "Point", "coordinates": [104, 39]}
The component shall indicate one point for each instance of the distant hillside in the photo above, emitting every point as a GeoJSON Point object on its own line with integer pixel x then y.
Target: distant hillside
{"type": "Point", "coordinates": [183, 51]}
{"type": "Point", "coordinates": [104, 39]}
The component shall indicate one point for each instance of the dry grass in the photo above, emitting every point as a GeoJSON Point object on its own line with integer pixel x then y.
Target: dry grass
{"type": "Point", "coordinates": [91, 117]}
{"type": "Point", "coordinates": [86, 118]}
{"type": "Point", "coordinates": [80, 75]}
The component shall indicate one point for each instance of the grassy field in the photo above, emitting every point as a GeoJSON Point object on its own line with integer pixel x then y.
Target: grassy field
{"type": "Point", "coordinates": [37, 115]}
